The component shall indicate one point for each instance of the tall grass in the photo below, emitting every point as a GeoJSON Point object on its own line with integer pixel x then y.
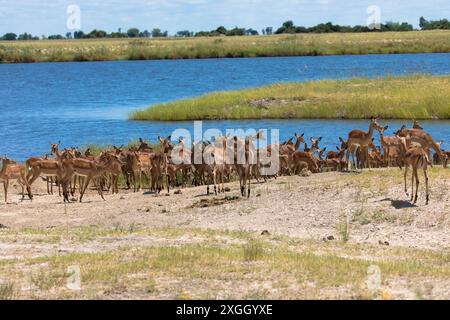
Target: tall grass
{"type": "Point", "coordinates": [221, 47]}
{"type": "Point", "coordinates": [419, 96]}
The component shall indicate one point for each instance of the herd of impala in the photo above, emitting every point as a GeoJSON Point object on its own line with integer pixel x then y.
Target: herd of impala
{"type": "Point", "coordinates": [70, 169]}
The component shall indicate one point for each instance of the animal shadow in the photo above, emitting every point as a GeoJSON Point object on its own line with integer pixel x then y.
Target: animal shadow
{"type": "Point", "coordinates": [399, 204]}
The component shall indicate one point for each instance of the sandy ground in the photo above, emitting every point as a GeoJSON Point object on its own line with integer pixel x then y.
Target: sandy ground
{"type": "Point", "coordinates": [373, 203]}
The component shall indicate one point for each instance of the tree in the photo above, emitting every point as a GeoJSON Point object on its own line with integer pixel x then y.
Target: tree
{"type": "Point", "coordinates": [78, 34]}
{"type": "Point", "coordinates": [269, 31]}
{"type": "Point", "coordinates": [9, 36]}
{"type": "Point", "coordinates": [69, 35]}
{"type": "Point", "coordinates": [25, 36]}
{"type": "Point", "coordinates": [157, 33]}
{"type": "Point", "coordinates": [183, 34]}
{"type": "Point", "coordinates": [221, 30]}
{"type": "Point", "coordinates": [97, 34]}
{"type": "Point", "coordinates": [236, 32]}
{"type": "Point", "coordinates": [55, 37]}
{"type": "Point", "coordinates": [133, 32]}
{"type": "Point", "coordinates": [251, 32]}
{"type": "Point", "coordinates": [145, 34]}
{"type": "Point", "coordinates": [287, 27]}
{"type": "Point", "coordinates": [423, 23]}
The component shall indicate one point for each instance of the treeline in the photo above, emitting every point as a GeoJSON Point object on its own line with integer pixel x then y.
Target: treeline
{"type": "Point", "coordinates": [290, 27]}
{"type": "Point", "coordinates": [287, 27]}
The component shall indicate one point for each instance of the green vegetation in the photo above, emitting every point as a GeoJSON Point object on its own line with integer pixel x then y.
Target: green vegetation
{"type": "Point", "coordinates": [419, 97]}
{"type": "Point", "coordinates": [211, 264]}
{"type": "Point", "coordinates": [305, 44]}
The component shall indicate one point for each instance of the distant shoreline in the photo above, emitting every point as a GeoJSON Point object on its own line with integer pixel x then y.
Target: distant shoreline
{"type": "Point", "coordinates": [286, 45]}
{"type": "Point", "coordinates": [406, 97]}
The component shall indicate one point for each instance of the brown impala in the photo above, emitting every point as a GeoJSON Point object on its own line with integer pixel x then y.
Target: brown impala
{"type": "Point", "coordinates": [359, 139]}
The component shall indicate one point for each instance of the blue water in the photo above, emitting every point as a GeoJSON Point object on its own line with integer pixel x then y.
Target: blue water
{"type": "Point", "coordinates": [81, 103]}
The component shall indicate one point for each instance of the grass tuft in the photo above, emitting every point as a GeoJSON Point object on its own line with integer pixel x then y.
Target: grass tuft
{"type": "Point", "coordinates": [417, 96]}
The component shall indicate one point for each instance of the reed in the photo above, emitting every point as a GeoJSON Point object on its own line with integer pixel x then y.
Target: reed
{"type": "Point", "coordinates": [417, 96]}
{"type": "Point", "coordinates": [222, 47]}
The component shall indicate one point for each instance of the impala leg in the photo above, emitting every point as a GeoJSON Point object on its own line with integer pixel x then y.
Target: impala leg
{"type": "Point", "coordinates": [249, 184]}
{"type": "Point", "coordinates": [426, 185]}
{"type": "Point", "coordinates": [405, 174]}
{"type": "Point", "coordinates": [5, 187]}
{"type": "Point", "coordinates": [412, 185]}
{"type": "Point", "coordinates": [99, 189]}
{"type": "Point", "coordinates": [347, 158]}
{"type": "Point", "coordinates": [215, 181]}
{"type": "Point", "coordinates": [23, 191]}
{"type": "Point", "coordinates": [416, 174]}
{"type": "Point", "coordinates": [83, 189]}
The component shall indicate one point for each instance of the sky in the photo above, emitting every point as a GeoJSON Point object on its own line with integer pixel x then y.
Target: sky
{"type": "Point", "coordinates": [50, 17]}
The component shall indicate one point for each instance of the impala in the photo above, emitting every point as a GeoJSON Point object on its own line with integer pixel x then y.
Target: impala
{"type": "Point", "coordinates": [13, 171]}
{"type": "Point", "coordinates": [417, 158]}
{"type": "Point", "coordinates": [359, 139]}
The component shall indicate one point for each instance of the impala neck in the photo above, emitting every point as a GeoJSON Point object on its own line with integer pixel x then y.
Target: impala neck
{"type": "Point", "coordinates": [370, 133]}
{"type": "Point", "coordinates": [297, 144]}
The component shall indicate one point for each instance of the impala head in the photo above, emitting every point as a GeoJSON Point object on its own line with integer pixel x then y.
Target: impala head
{"type": "Point", "coordinates": [374, 124]}
{"type": "Point", "coordinates": [344, 144]}
{"type": "Point", "coordinates": [383, 130]}
{"type": "Point", "coordinates": [289, 142]}
{"type": "Point", "coordinates": [315, 142]}
{"type": "Point", "coordinates": [300, 138]}
{"type": "Point", "coordinates": [321, 152]}
{"type": "Point", "coordinates": [306, 149]}
{"type": "Point", "coordinates": [55, 147]}
{"type": "Point", "coordinates": [144, 145]}
{"type": "Point", "coordinates": [416, 125]}
{"type": "Point", "coordinates": [165, 144]}
{"type": "Point", "coordinates": [400, 131]}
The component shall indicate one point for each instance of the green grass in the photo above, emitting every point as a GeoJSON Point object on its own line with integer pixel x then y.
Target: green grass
{"type": "Point", "coordinates": [418, 96]}
{"type": "Point", "coordinates": [224, 47]}
{"type": "Point", "coordinates": [212, 264]}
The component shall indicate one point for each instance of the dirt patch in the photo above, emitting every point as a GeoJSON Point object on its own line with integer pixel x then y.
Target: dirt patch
{"type": "Point", "coordinates": [267, 103]}
{"type": "Point", "coordinates": [313, 207]}
{"type": "Point", "coordinates": [205, 203]}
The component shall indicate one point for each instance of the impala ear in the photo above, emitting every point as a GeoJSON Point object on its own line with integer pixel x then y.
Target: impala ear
{"type": "Point", "coordinates": [159, 138]}
{"type": "Point", "coordinates": [320, 138]}
{"type": "Point", "coordinates": [324, 149]}
{"type": "Point", "coordinates": [169, 138]}
{"type": "Point", "coordinates": [386, 127]}
{"type": "Point", "coordinates": [302, 135]}
{"type": "Point", "coordinates": [337, 148]}
{"type": "Point", "coordinates": [341, 140]}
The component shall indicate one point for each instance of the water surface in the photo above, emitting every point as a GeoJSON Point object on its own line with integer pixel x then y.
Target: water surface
{"type": "Point", "coordinates": [81, 103]}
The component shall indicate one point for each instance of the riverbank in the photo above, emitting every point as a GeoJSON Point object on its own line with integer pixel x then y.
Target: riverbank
{"type": "Point", "coordinates": [225, 47]}
{"type": "Point", "coordinates": [318, 246]}
{"type": "Point", "coordinates": [419, 97]}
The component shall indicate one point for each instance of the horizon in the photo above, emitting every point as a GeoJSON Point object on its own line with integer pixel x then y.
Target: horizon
{"type": "Point", "coordinates": [51, 17]}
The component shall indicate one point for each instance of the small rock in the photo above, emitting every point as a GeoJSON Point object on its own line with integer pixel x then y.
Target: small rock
{"type": "Point", "coordinates": [258, 194]}
{"type": "Point", "coordinates": [2, 226]}
{"type": "Point", "coordinates": [122, 198]}
{"type": "Point", "coordinates": [265, 233]}
{"type": "Point", "coordinates": [227, 189]}
{"type": "Point", "coordinates": [178, 192]}
{"type": "Point", "coordinates": [383, 243]}
{"type": "Point", "coordinates": [74, 199]}
{"type": "Point", "coordinates": [167, 194]}
{"type": "Point", "coordinates": [330, 238]}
